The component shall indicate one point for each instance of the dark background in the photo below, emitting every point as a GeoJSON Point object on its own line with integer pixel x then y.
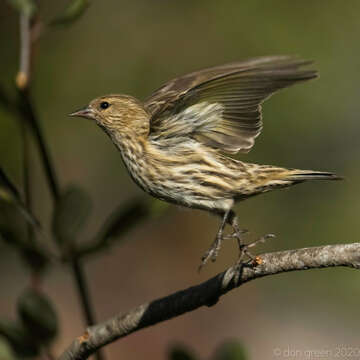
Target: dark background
{"type": "Point", "coordinates": [132, 47]}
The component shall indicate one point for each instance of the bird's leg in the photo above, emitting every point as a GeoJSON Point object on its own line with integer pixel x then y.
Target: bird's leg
{"type": "Point", "coordinates": [243, 248]}
{"type": "Point", "coordinates": [237, 233]}
{"type": "Point", "coordinates": [213, 251]}
{"type": "Point", "coordinates": [229, 217]}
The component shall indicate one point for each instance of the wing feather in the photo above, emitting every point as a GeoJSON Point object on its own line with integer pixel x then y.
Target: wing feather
{"type": "Point", "coordinates": [221, 106]}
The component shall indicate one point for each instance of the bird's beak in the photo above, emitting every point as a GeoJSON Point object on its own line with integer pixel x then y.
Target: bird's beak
{"type": "Point", "coordinates": [87, 113]}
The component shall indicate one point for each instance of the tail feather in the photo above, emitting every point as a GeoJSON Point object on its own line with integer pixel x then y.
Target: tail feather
{"type": "Point", "coordinates": [302, 175]}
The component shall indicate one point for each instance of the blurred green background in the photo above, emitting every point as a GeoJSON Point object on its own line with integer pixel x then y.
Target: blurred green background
{"type": "Point", "coordinates": [133, 47]}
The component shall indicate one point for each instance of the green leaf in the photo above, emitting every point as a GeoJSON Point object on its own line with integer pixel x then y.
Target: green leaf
{"type": "Point", "coordinates": [32, 253]}
{"type": "Point", "coordinates": [121, 220]}
{"type": "Point", "coordinates": [38, 316]}
{"type": "Point", "coordinates": [72, 12]}
{"type": "Point", "coordinates": [27, 7]}
{"type": "Point", "coordinates": [10, 194]}
{"type": "Point", "coordinates": [230, 350]}
{"type": "Point", "coordinates": [71, 213]}
{"type": "Point", "coordinates": [6, 352]}
{"type": "Point", "coordinates": [179, 352]}
{"type": "Point", "coordinates": [35, 258]}
{"type": "Point", "coordinates": [18, 338]}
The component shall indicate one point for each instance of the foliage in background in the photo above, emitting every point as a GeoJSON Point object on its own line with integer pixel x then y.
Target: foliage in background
{"type": "Point", "coordinates": [36, 326]}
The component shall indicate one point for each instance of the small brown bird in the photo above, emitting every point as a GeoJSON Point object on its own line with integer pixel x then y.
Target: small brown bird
{"type": "Point", "coordinates": [173, 143]}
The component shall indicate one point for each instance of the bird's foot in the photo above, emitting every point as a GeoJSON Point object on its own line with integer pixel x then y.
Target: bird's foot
{"type": "Point", "coordinates": [212, 252]}
{"type": "Point", "coordinates": [252, 260]}
{"type": "Point", "coordinates": [244, 249]}
{"type": "Point", "coordinates": [237, 234]}
{"type": "Point", "coordinates": [245, 256]}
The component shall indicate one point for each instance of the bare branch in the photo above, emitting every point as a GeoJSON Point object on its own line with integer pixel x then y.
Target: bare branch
{"type": "Point", "coordinates": [30, 30]}
{"type": "Point", "coordinates": [208, 293]}
{"type": "Point", "coordinates": [22, 78]}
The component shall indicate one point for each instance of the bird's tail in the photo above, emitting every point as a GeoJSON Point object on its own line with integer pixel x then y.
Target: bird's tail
{"type": "Point", "coordinates": [303, 175]}
{"type": "Point", "coordinates": [267, 177]}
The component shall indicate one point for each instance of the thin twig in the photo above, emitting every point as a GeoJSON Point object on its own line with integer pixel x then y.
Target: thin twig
{"type": "Point", "coordinates": [28, 35]}
{"type": "Point", "coordinates": [28, 113]}
{"type": "Point", "coordinates": [85, 298]}
{"type": "Point", "coordinates": [26, 175]}
{"type": "Point", "coordinates": [35, 279]}
{"type": "Point", "coordinates": [22, 80]}
{"type": "Point", "coordinates": [26, 167]}
{"type": "Point", "coordinates": [83, 291]}
{"type": "Point", "coordinates": [208, 294]}
{"type": "Point", "coordinates": [23, 76]}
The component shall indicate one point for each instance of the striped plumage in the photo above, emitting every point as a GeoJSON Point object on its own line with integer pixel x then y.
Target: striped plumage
{"type": "Point", "coordinates": [173, 143]}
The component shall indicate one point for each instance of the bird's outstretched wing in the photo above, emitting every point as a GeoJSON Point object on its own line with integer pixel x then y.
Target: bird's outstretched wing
{"type": "Point", "coordinates": [221, 106]}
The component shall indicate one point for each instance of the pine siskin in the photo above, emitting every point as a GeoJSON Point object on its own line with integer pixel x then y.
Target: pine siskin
{"type": "Point", "coordinates": [173, 143]}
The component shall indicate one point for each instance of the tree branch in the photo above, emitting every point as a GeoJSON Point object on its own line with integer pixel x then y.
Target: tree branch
{"type": "Point", "coordinates": [82, 286]}
{"type": "Point", "coordinates": [30, 28]}
{"type": "Point", "coordinates": [29, 115]}
{"type": "Point", "coordinates": [23, 76]}
{"type": "Point", "coordinates": [208, 293]}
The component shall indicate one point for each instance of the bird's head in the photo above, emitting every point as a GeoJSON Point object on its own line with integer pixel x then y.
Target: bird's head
{"type": "Point", "coordinates": [118, 114]}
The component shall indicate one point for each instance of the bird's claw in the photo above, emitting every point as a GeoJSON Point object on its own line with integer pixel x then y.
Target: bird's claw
{"type": "Point", "coordinates": [236, 234]}
{"type": "Point", "coordinates": [254, 260]}
{"type": "Point", "coordinates": [243, 250]}
{"type": "Point", "coordinates": [262, 239]}
{"type": "Point", "coordinates": [211, 253]}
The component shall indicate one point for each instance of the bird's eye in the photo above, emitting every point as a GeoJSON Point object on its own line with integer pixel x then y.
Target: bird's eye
{"type": "Point", "coordinates": [104, 105]}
